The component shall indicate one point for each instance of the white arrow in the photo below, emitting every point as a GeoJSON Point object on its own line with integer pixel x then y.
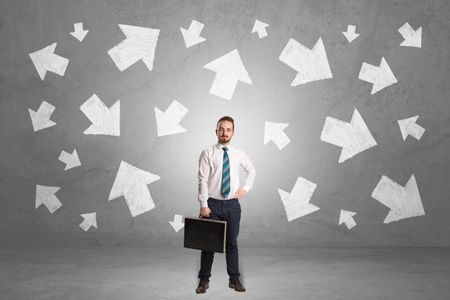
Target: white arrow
{"type": "Point", "coordinates": [71, 160]}
{"type": "Point", "coordinates": [353, 137]}
{"type": "Point", "coordinates": [381, 76]}
{"type": "Point", "coordinates": [41, 118]}
{"type": "Point", "coordinates": [131, 183]}
{"type": "Point", "coordinates": [260, 28]}
{"type": "Point", "coordinates": [297, 203]}
{"type": "Point", "coordinates": [78, 32]}
{"type": "Point", "coordinates": [311, 65]}
{"type": "Point", "coordinates": [409, 127]}
{"type": "Point", "coordinates": [347, 218]}
{"type": "Point", "coordinates": [140, 44]}
{"type": "Point", "coordinates": [413, 38]}
{"type": "Point", "coordinates": [177, 222]}
{"type": "Point", "coordinates": [192, 34]}
{"type": "Point", "coordinates": [350, 34]}
{"type": "Point", "coordinates": [230, 70]}
{"type": "Point", "coordinates": [89, 220]}
{"type": "Point", "coordinates": [404, 202]}
{"type": "Point", "coordinates": [46, 195]}
{"type": "Point", "coordinates": [274, 132]}
{"type": "Point", "coordinates": [168, 122]}
{"type": "Point", "coordinates": [104, 120]}
{"type": "Point", "coordinates": [46, 60]}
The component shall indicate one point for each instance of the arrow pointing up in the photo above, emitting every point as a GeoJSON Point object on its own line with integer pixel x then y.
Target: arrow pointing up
{"type": "Point", "coordinates": [192, 35]}
{"type": "Point", "coordinates": [78, 32]}
{"type": "Point", "coordinates": [89, 220]}
{"type": "Point", "coordinates": [71, 160]}
{"type": "Point", "coordinates": [297, 203]}
{"type": "Point", "coordinates": [353, 137]}
{"type": "Point", "coordinates": [46, 60]}
{"type": "Point", "coordinates": [177, 222]}
{"type": "Point", "coordinates": [381, 76]}
{"type": "Point", "coordinates": [230, 70]}
{"type": "Point", "coordinates": [347, 218]}
{"type": "Point", "coordinates": [41, 118]}
{"type": "Point", "coordinates": [140, 44]}
{"type": "Point", "coordinates": [46, 195]}
{"type": "Point", "coordinates": [168, 122]}
{"type": "Point", "coordinates": [350, 34]}
{"type": "Point", "coordinates": [404, 202]}
{"type": "Point", "coordinates": [311, 65]}
{"type": "Point", "coordinates": [131, 183]}
{"type": "Point", "coordinates": [274, 132]}
{"type": "Point", "coordinates": [413, 38]}
{"type": "Point", "coordinates": [104, 120]}
{"type": "Point", "coordinates": [409, 127]}
{"type": "Point", "coordinates": [260, 28]}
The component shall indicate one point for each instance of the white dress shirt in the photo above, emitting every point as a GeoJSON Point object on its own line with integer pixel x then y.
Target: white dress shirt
{"type": "Point", "coordinates": [210, 172]}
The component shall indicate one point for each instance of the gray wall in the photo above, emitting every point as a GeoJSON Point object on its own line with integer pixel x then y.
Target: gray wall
{"type": "Point", "coordinates": [29, 158]}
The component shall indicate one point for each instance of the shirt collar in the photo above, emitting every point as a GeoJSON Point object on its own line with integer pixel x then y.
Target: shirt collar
{"type": "Point", "coordinates": [220, 146]}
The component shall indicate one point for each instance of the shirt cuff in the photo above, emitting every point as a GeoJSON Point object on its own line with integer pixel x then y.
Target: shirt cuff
{"type": "Point", "coordinates": [246, 188]}
{"type": "Point", "coordinates": [203, 204]}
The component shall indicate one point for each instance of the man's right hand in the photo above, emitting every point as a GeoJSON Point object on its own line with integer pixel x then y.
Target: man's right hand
{"type": "Point", "coordinates": [205, 212]}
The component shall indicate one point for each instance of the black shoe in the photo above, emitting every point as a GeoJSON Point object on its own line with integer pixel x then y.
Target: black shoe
{"type": "Point", "coordinates": [236, 285]}
{"type": "Point", "coordinates": [202, 286]}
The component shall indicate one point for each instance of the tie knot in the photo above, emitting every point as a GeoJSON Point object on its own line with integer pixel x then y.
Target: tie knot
{"type": "Point", "coordinates": [225, 149]}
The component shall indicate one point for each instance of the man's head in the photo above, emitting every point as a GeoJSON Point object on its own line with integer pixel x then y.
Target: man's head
{"type": "Point", "coordinates": [225, 129]}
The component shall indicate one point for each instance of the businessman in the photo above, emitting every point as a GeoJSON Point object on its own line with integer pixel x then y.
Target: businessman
{"type": "Point", "coordinates": [219, 193]}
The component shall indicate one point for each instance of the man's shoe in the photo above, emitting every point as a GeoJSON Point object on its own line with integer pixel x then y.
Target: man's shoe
{"type": "Point", "coordinates": [236, 285]}
{"type": "Point", "coordinates": [202, 286]}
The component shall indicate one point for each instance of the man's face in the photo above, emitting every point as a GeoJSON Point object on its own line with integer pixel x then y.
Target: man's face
{"type": "Point", "coordinates": [224, 132]}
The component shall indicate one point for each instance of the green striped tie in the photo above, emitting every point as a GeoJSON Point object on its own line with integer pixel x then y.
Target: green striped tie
{"type": "Point", "coordinates": [225, 190]}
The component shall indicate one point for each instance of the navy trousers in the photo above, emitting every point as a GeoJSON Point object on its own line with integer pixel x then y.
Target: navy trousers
{"type": "Point", "coordinates": [230, 211]}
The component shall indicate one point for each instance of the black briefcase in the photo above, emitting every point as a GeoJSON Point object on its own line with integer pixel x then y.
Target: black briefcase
{"type": "Point", "coordinates": [205, 234]}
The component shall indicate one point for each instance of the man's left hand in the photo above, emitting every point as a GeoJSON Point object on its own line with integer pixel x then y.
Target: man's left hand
{"type": "Point", "coordinates": [241, 193]}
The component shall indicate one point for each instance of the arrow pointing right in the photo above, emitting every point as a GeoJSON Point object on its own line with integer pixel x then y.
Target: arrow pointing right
{"type": "Point", "coordinates": [104, 120]}
{"type": "Point", "coordinates": [381, 76]}
{"type": "Point", "coordinates": [89, 220]}
{"type": "Point", "coordinates": [71, 160]}
{"type": "Point", "coordinates": [140, 44]}
{"type": "Point", "coordinates": [404, 202]}
{"type": "Point", "coordinates": [46, 195]}
{"type": "Point", "coordinates": [274, 132]}
{"type": "Point", "coordinates": [353, 137]}
{"type": "Point", "coordinates": [409, 127]}
{"type": "Point", "coordinates": [46, 60]}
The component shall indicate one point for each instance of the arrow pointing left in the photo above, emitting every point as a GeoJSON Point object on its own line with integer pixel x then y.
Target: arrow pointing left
{"type": "Point", "coordinates": [229, 70]}
{"type": "Point", "coordinates": [168, 122]}
{"type": "Point", "coordinates": [41, 118]}
{"type": "Point", "coordinates": [46, 195]}
{"type": "Point", "coordinates": [274, 132]}
{"type": "Point", "coordinates": [46, 60]}
{"type": "Point", "coordinates": [353, 137]}
{"type": "Point", "coordinates": [409, 126]}
{"type": "Point", "coordinates": [140, 44]}
{"type": "Point", "coordinates": [104, 120]}
{"type": "Point", "coordinates": [297, 203]}
{"type": "Point", "coordinates": [131, 183]}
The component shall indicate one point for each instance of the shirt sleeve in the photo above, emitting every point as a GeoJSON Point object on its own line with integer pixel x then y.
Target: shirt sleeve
{"type": "Point", "coordinates": [251, 172]}
{"type": "Point", "coordinates": [203, 176]}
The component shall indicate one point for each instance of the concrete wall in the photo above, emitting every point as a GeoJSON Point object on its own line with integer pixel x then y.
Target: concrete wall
{"type": "Point", "coordinates": [29, 158]}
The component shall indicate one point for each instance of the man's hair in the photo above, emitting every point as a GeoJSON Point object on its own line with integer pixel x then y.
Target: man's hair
{"type": "Point", "coordinates": [226, 118]}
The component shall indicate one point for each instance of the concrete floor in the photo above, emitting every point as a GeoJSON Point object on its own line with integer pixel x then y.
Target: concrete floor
{"type": "Point", "coordinates": [168, 273]}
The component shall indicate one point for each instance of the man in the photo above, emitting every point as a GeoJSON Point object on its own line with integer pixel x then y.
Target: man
{"type": "Point", "coordinates": [219, 194]}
